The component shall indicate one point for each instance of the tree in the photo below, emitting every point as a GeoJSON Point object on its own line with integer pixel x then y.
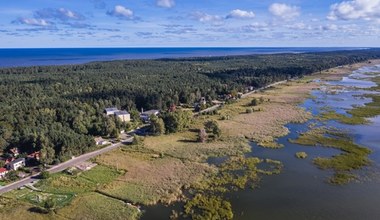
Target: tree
{"type": "Point", "coordinates": [254, 102]}
{"type": "Point", "coordinates": [210, 125]}
{"type": "Point", "coordinates": [2, 163]}
{"type": "Point", "coordinates": [157, 125]}
{"type": "Point", "coordinates": [177, 121]}
{"type": "Point", "coordinates": [217, 132]}
{"type": "Point", "coordinates": [213, 127]}
{"type": "Point", "coordinates": [202, 135]}
{"type": "Point", "coordinates": [11, 175]}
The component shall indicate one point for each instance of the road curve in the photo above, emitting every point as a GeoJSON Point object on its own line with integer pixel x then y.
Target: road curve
{"type": "Point", "coordinates": [61, 166]}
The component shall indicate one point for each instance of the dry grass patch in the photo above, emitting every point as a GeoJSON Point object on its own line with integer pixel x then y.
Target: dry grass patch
{"type": "Point", "coordinates": [185, 146]}
{"type": "Point", "coordinates": [266, 125]}
{"type": "Point", "coordinates": [96, 206]}
{"type": "Point", "coordinates": [15, 209]}
{"type": "Point", "coordinates": [149, 180]}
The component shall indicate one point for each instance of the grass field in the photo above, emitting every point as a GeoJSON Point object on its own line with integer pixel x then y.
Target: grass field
{"type": "Point", "coordinates": [60, 188]}
{"type": "Point", "coordinates": [279, 109]}
{"type": "Point", "coordinates": [148, 179]}
{"type": "Point", "coordinates": [84, 182]}
{"type": "Point", "coordinates": [95, 206]}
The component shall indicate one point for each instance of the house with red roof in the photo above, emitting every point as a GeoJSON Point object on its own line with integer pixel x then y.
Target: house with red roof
{"type": "Point", "coordinates": [3, 172]}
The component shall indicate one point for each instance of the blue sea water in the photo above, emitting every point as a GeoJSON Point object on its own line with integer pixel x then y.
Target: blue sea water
{"type": "Point", "coordinates": [62, 56]}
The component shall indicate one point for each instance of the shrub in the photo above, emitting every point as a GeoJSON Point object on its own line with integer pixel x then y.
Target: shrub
{"type": "Point", "coordinates": [301, 155]}
{"type": "Point", "coordinates": [44, 174]}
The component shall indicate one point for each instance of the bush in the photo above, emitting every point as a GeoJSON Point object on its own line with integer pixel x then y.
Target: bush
{"type": "Point", "coordinates": [136, 140]}
{"type": "Point", "coordinates": [249, 110]}
{"type": "Point", "coordinates": [301, 155]}
{"type": "Point", "coordinates": [254, 102]}
{"type": "Point", "coordinates": [44, 175]}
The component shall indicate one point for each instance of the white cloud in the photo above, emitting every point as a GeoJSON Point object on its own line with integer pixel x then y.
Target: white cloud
{"type": "Point", "coordinates": [237, 13]}
{"type": "Point", "coordinates": [33, 21]}
{"type": "Point", "coordinates": [165, 3]}
{"type": "Point", "coordinates": [284, 11]}
{"type": "Point", "coordinates": [121, 12]}
{"type": "Point", "coordinates": [207, 18]}
{"type": "Point", "coordinates": [356, 9]}
{"type": "Point", "coordinates": [68, 13]}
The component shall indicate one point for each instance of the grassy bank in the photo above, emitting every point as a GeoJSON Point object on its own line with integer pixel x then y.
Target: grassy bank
{"type": "Point", "coordinates": [353, 156]}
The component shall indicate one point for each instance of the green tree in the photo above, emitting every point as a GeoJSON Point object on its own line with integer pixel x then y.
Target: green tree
{"type": "Point", "coordinates": [11, 175]}
{"type": "Point", "coordinates": [157, 125]}
{"type": "Point", "coordinates": [210, 125]}
{"type": "Point", "coordinates": [254, 102]}
{"type": "Point", "coordinates": [217, 132]}
{"type": "Point", "coordinates": [2, 163]}
{"type": "Point", "coordinates": [177, 121]}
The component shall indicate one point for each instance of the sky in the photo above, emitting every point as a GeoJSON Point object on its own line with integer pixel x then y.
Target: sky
{"type": "Point", "coordinates": [189, 23]}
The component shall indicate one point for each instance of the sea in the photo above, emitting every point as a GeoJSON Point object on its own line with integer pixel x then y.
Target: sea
{"type": "Point", "coordinates": [65, 56]}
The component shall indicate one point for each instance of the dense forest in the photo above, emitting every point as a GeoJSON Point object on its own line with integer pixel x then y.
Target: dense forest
{"type": "Point", "coordinates": [58, 109]}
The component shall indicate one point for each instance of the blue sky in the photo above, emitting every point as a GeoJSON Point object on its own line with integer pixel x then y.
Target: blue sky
{"type": "Point", "coordinates": [187, 23]}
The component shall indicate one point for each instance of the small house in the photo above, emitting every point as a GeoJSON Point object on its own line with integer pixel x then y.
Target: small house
{"type": "Point", "coordinates": [16, 164]}
{"type": "Point", "coordinates": [111, 111]}
{"type": "Point", "coordinates": [3, 172]}
{"type": "Point", "coordinates": [124, 116]}
{"type": "Point", "coordinates": [101, 141]}
{"type": "Point", "coordinates": [36, 156]}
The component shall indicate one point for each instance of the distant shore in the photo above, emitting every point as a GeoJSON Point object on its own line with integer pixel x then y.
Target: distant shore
{"type": "Point", "coordinates": [70, 56]}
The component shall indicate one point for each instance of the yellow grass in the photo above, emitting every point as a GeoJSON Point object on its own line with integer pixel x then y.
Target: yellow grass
{"type": "Point", "coordinates": [16, 209]}
{"type": "Point", "coordinates": [95, 206]}
{"type": "Point", "coordinates": [184, 146]}
{"type": "Point", "coordinates": [265, 126]}
{"type": "Point", "coordinates": [149, 180]}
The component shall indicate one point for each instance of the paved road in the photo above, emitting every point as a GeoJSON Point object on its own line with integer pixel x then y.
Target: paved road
{"type": "Point", "coordinates": [61, 166]}
{"type": "Point", "coordinates": [215, 107]}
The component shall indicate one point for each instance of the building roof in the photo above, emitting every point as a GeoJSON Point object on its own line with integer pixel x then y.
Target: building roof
{"type": "Point", "coordinates": [18, 160]}
{"type": "Point", "coordinates": [121, 113]}
{"type": "Point", "coordinates": [112, 109]}
{"type": "Point", "coordinates": [2, 170]}
{"type": "Point", "coordinates": [98, 139]}
{"type": "Point", "coordinates": [151, 112]}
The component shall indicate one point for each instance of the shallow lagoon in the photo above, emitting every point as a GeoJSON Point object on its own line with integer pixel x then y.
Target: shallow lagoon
{"type": "Point", "coordinates": [301, 191]}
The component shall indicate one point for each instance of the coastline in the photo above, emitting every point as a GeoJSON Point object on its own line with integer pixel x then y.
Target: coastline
{"type": "Point", "coordinates": [164, 178]}
{"type": "Point", "coordinates": [19, 57]}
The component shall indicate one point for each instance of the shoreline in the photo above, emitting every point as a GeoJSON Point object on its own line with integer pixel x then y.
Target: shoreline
{"type": "Point", "coordinates": [212, 52]}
